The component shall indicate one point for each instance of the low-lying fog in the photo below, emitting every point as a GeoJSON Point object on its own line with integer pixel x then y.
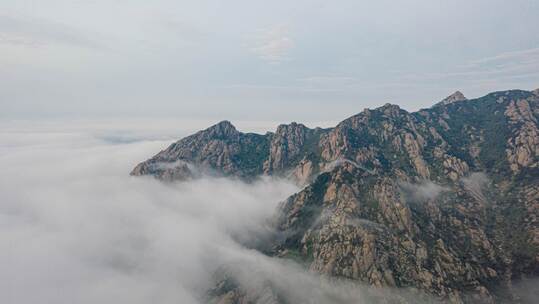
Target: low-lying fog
{"type": "Point", "coordinates": [76, 228]}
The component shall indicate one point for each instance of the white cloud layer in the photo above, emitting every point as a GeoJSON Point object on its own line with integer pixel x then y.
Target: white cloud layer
{"type": "Point", "coordinates": [76, 228]}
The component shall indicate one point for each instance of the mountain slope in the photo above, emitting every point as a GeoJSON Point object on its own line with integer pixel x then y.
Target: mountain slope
{"type": "Point", "coordinates": [444, 200]}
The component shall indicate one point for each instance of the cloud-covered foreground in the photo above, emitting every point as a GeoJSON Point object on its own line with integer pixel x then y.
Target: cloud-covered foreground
{"type": "Point", "coordinates": [76, 228]}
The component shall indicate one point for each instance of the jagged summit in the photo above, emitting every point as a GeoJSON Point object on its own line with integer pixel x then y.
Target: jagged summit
{"type": "Point", "coordinates": [292, 125]}
{"type": "Point", "coordinates": [536, 91]}
{"type": "Point", "coordinates": [455, 97]}
{"type": "Point", "coordinates": [388, 106]}
{"type": "Point", "coordinates": [391, 110]}
{"type": "Point", "coordinates": [223, 125]}
{"type": "Point", "coordinates": [222, 128]}
{"type": "Point", "coordinates": [388, 109]}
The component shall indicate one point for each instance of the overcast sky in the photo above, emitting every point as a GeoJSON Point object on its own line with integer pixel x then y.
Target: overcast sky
{"type": "Point", "coordinates": [259, 60]}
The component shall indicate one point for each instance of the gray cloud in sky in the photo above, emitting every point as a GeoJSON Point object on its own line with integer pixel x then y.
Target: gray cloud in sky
{"type": "Point", "coordinates": [209, 59]}
{"type": "Point", "coordinates": [31, 32]}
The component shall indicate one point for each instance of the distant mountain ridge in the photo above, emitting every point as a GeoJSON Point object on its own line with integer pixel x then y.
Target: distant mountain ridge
{"type": "Point", "coordinates": [300, 152]}
{"type": "Point", "coordinates": [445, 199]}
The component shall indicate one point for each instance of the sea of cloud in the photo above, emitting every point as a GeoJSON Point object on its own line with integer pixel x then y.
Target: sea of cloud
{"type": "Point", "coordinates": [76, 228]}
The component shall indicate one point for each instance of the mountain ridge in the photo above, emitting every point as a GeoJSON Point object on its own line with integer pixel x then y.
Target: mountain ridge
{"type": "Point", "coordinates": [444, 199]}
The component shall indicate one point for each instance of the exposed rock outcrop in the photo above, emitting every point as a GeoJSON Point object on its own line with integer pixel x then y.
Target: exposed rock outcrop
{"type": "Point", "coordinates": [523, 146]}
{"type": "Point", "coordinates": [455, 97]}
{"type": "Point", "coordinates": [286, 146]}
{"type": "Point", "coordinates": [218, 150]}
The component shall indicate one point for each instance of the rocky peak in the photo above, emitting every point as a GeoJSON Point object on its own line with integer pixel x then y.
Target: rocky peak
{"type": "Point", "coordinates": [455, 97]}
{"type": "Point", "coordinates": [286, 146]}
{"type": "Point", "coordinates": [221, 129]}
{"type": "Point", "coordinates": [360, 120]}
{"type": "Point", "coordinates": [389, 106]}
{"type": "Point", "coordinates": [293, 127]}
{"type": "Point", "coordinates": [390, 110]}
{"type": "Point", "coordinates": [536, 92]}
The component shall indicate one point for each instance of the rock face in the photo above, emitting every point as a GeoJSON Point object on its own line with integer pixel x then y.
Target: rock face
{"type": "Point", "coordinates": [219, 150]}
{"type": "Point", "coordinates": [455, 97]}
{"type": "Point", "coordinates": [523, 146]}
{"type": "Point", "coordinates": [452, 241]}
{"type": "Point", "coordinates": [444, 200]}
{"type": "Point", "coordinates": [222, 150]}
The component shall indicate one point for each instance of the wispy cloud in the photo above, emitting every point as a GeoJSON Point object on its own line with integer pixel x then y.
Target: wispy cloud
{"type": "Point", "coordinates": [187, 32]}
{"type": "Point", "coordinates": [33, 32]}
{"type": "Point", "coordinates": [528, 55]}
{"type": "Point", "coordinates": [493, 71]}
{"type": "Point", "coordinates": [273, 44]}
